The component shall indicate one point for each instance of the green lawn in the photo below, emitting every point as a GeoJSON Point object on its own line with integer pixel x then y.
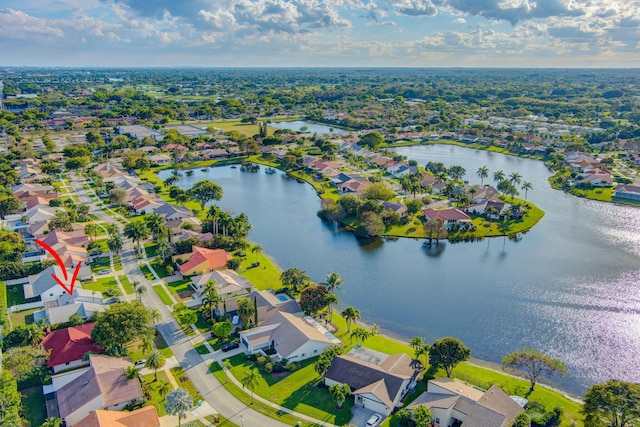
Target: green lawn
{"type": "Point", "coordinates": [201, 348]}
{"type": "Point", "coordinates": [265, 276]}
{"type": "Point", "coordinates": [33, 405]}
{"type": "Point", "coordinates": [160, 269]}
{"type": "Point", "coordinates": [101, 264]}
{"type": "Point", "coordinates": [106, 285]}
{"type": "Point", "coordinates": [24, 317]}
{"type": "Point", "coordinates": [150, 249]}
{"type": "Point", "coordinates": [178, 373]}
{"type": "Point", "coordinates": [128, 288]}
{"type": "Point", "coordinates": [147, 273]}
{"type": "Point", "coordinates": [101, 244]}
{"type": "Point", "coordinates": [135, 353]}
{"type": "Point", "coordinates": [244, 397]}
{"type": "Point", "coordinates": [3, 304]}
{"type": "Point", "coordinates": [156, 400]}
{"type": "Point", "coordinates": [15, 294]}
{"type": "Point", "coordinates": [602, 194]}
{"type": "Point", "coordinates": [163, 294]}
{"type": "Point", "coordinates": [117, 263]}
{"type": "Point", "coordinates": [179, 286]}
{"type": "Point", "coordinates": [296, 390]}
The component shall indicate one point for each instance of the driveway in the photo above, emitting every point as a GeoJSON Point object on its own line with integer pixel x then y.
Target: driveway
{"type": "Point", "coordinates": [360, 416]}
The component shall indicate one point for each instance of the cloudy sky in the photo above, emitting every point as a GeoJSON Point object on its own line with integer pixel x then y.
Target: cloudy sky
{"type": "Point", "coordinates": [390, 33]}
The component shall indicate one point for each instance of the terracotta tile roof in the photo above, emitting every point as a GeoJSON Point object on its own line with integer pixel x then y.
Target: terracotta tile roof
{"type": "Point", "coordinates": [143, 417]}
{"type": "Point", "coordinates": [215, 258]}
{"type": "Point", "coordinates": [67, 345]}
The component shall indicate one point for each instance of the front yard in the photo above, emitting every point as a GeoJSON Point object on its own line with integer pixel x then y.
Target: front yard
{"type": "Point", "coordinates": [299, 390]}
{"type": "Point", "coordinates": [107, 285]}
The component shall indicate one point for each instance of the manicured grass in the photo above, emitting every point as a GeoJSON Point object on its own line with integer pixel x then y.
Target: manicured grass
{"type": "Point", "coordinates": [601, 194]}
{"type": "Point", "coordinates": [297, 390]}
{"type": "Point", "coordinates": [201, 348]}
{"type": "Point", "coordinates": [128, 288]}
{"type": "Point", "coordinates": [179, 286]}
{"type": "Point", "coordinates": [186, 384]}
{"type": "Point", "coordinates": [265, 276]}
{"type": "Point", "coordinates": [150, 249]}
{"type": "Point", "coordinates": [103, 285]}
{"type": "Point", "coordinates": [160, 269]}
{"type": "Point", "coordinates": [117, 263]}
{"type": "Point", "coordinates": [101, 244]}
{"type": "Point", "coordinates": [243, 396]}
{"type": "Point", "coordinates": [147, 273]}
{"type": "Point", "coordinates": [136, 354]}
{"type": "Point", "coordinates": [101, 264]}
{"type": "Point", "coordinates": [24, 317]}
{"type": "Point", "coordinates": [246, 129]}
{"type": "Point", "coordinates": [33, 405]}
{"type": "Point", "coordinates": [156, 400]}
{"type": "Point", "coordinates": [3, 304]}
{"type": "Point", "coordinates": [14, 294]}
{"type": "Point", "coordinates": [163, 294]}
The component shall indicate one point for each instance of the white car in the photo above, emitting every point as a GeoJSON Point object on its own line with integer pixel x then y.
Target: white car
{"type": "Point", "coordinates": [374, 420]}
{"type": "Point", "coordinates": [140, 363]}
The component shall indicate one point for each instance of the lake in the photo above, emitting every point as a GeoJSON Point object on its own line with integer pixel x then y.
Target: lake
{"type": "Point", "coordinates": [311, 127]}
{"type": "Point", "coordinates": [570, 287]}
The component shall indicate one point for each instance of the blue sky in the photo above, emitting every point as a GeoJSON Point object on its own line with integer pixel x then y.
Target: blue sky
{"type": "Point", "coordinates": [299, 33]}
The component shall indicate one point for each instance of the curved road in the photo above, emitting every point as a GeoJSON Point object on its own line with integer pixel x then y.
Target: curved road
{"type": "Point", "coordinates": [195, 368]}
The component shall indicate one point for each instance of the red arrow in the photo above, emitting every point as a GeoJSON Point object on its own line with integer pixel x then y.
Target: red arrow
{"type": "Point", "coordinates": [62, 267]}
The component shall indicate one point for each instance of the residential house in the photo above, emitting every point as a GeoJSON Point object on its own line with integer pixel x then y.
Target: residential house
{"type": "Point", "coordinates": [103, 386]}
{"type": "Point", "coordinates": [267, 302]}
{"type": "Point", "coordinates": [142, 417]}
{"type": "Point", "coordinates": [139, 132]}
{"type": "Point", "coordinates": [292, 336]}
{"type": "Point", "coordinates": [397, 207]}
{"type": "Point", "coordinates": [631, 192]}
{"type": "Point", "coordinates": [177, 226]}
{"type": "Point", "coordinates": [480, 193]}
{"type": "Point", "coordinates": [187, 130]}
{"type": "Point", "coordinates": [185, 234]}
{"type": "Point", "coordinates": [71, 238]}
{"type": "Point", "coordinates": [29, 189]}
{"type": "Point", "coordinates": [354, 185]}
{"type": "Point", "coordinates": [378, 381]}
{"type": "Point", "coordinates": [170, 212]}
{"type": "Point", "coordinates": [45, 287]}
{"type": "Point", "coordinates": [57, 312]}
{"type": "Point", "coordinates": [453, 402]}
{"type": "Point", "coordinates": [595, 177]}
{"type": "Point", "coordinates": [202, 260]}
{"type": "Point", "coordinates": [451, 217]}
{"type": "Point", "coordinates": [68, 346]}
{"type": "Point", "coordinates": [160, 159]}
{"type": "Point", "coordinates": [500, 208]}
{"type": "Point", "coordinates": [228, 283]}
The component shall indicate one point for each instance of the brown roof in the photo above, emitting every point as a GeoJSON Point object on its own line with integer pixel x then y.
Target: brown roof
{"type": "Point", "coordinates": [143, 417]}
{"type": "Point", "coordinates": [449, 214]}
{"type": "Point", "coordinates": [105, 377]}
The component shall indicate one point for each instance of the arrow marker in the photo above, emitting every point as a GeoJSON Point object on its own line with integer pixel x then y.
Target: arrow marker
{"type": "Point", "coordinates": [53, 253]}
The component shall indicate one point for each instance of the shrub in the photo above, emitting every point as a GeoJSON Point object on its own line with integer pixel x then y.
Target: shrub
{"type": "Point", "coordinates": [268, 367]}
{"type": "Point", "coordinates": [169, 269]}
{"type": "Point", "coordinates": [293, 366]}
{"type": "Point", "coordinates": [279, 368]}
{"type": "Point", "coordinates": [252, 357]}
{"type": "Point", "coordinates": [261, 360]}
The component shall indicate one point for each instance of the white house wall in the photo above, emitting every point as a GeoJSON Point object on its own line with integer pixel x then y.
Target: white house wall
{"type": "Point", "coordinates": [307, 350]}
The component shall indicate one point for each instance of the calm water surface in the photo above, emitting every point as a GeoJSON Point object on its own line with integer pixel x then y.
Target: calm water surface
{"type": "Point", "coordinates": [570, 287]}
{"type": "Point", "coordinates": [311, 127]}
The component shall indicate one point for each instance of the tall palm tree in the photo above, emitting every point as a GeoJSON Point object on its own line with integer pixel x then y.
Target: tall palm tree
{"type": "Point", "coordinates": [91, 230]}
{"type": "Point", "coordinates": [214, 213]}
{"type": "Point", "coordinates": [257, 249]}
{"type": "Point", "coordinates": [333, 282]}
{"type": "Point", "coordinates": [139, 289]}
{"type": "Point", "coordinates": [245, 310]}
{"type": "Point", "coordinates": [154, 223]}
{"type": "Point", "coordinates": [155, 361]}
{"type": "Point", "coordinates": [112, 229]}
{"type": "Point", "coordinates": [250, 380]}
{"type": "Point", "coordinates": [114, 243]}
{"type": "Point", "coordinates": [498, 176]}
{"type": "Point", "coordinates": [163, 248]}
{"type": "Point", "coordinates": [526, 186]}
{"type": "Point", "coordinates": [483, 172]}
{"type": "Point", "coordinates": [350, 314]}
{"type": "Point", "coordinates": [515, 178]}
{"type": "Point", "coordinates": [210, 297]}
{"type": "Point", "coordinates": [136, 231]}
{"type": "Point", "coordinates": [164, 388]}
{"type": "Point", "coordinates": [146, 345]}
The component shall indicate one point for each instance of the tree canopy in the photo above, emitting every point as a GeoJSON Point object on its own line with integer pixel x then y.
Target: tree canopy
{"type": "Point", "coordinates": [533, 364]}
{"type": "Point", "coordinates": [447, 352]}
{"type": "Point", "coordinates": [204, 191]}
{"type": "Point", "coordinates": [121, 324]}
{"type": "Point", "coordinates": [616, 404]}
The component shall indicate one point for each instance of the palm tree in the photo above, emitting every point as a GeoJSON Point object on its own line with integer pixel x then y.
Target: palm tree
{"type": "Point", "coordinates": [164, 388]}
{"type": "Point", "coordinates": [441, 177]}
{"type": "Point", "coordinates": [163, 248]}
{"type": "Point", "coordinates": [136, 231]}
{"type": "Point", "coordinates": [154, 223]}
{"type": "Point", "coordinates": [515, 178]}
{"type": "Point", "coordinates": [32, 334]}
{"type": "Point", "coordinates": [350, 314]}
{"type": "Point", "coordinates": [91, 230]}
{"type": "Point", "coordinates": [250, 380]}
{"type": "Point", "coordinates": [114, 243]}
{"type": "Point", "coordinates": [112, 229]}
{"type": "Point", "coordinates": [333, 282]}
{"type": "Point", "coordinates": [526, 186]}
{"type": "Point", "coordinates": [498, 176]}
{"type": "Point", "coordinates": [210, 297]}
{"type": "Point", "coordinates": [139, 289]}
{"type": "Point", "coordinates": [483, 172]}
{"type": "Point", "coordinates": [52, 422]}
{"type": "Point", "coordinates": [245, 310]}
{"type": "Point", "coordinates": [257, 249]}
{"type": "Point", "coordinates": [146, 345]}
{"type": "Point", "coordinates": [178, 403]}
{"type": "Point", "coordinates": [214, 213]}
{"type": "Point", "coordinates": [155, 361]}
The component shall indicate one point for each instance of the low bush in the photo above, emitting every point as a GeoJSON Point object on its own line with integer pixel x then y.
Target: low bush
{"type": "Point", "coordinates": [268, 367]}
{"type": "Point", "coordinates": [261, 360]}
{"type": "Point", "coordinates": [293, 366]}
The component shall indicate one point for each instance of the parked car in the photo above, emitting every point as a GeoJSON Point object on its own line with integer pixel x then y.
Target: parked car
{"type": "Point", "coordinates": [140, 363]}
{"type": "Point", "coordinates": [230, 346]}
{"type": "Point", "coordinates": [95, 252]}
{"type": "Point", "coordinates": [105, 271]}
{"type": "Point", "coordinates": [374, 420]}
